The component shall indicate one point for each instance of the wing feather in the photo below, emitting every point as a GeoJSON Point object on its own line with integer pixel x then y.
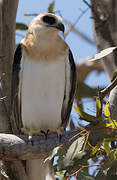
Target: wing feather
{"type": "Point", "coordinates": [70, 86]}
{"type": "Point", "coordinates": [16, 102]}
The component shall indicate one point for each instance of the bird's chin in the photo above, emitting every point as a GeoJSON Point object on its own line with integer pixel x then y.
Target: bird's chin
{"type": "Point", "coordinates": [52, 32]}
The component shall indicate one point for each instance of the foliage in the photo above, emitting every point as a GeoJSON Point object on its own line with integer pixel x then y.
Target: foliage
{"type": "Point", "coordinates": [102, 54]}
{"type": "Point", "coordinates": [51, 7]}
{"type": "Point", "coordinates": [89, 148]}
{"type": "Point", "coordinates": [21, 26]}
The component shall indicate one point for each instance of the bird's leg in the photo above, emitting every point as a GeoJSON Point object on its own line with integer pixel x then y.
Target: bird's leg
{"type": "Point", "coordinates": [58, 131]}
{"type": "Point", "coordinates": [45, 133]}
{"type": "Point", "coordinates": [30, 132]}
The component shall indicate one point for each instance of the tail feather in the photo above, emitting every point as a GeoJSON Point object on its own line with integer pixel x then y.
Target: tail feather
{"type": "Point", "coordinates": [37, 169]}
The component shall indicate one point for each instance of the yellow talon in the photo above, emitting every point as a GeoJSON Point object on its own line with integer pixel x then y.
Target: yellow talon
{"type": "Point", "coordinates": [30, 131]}
{"type": "Point", "coordinates": [24, 130]}
{"type": "Point", "coordinates": [58, 131]}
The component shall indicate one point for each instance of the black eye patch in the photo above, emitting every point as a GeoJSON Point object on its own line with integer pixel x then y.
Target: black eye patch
{"type": "Point", "coordinates": [49, 20]}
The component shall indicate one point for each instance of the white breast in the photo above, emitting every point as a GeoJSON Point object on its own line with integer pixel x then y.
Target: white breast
{"type": "Point", "coordinates": [42, 89]}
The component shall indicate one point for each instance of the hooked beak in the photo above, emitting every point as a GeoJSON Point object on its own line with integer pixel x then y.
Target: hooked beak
{"type": "Point", "coordinates": [59, 26]}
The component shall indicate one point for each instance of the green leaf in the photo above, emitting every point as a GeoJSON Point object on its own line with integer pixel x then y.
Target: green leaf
{"type": "Point", "coordinates": [112, 123]}
{"type": "Point", "coordinates": [102, 54]}
{"type": "Point", "coordinates": [114, 76]}
{"type": "Point", "coordinates": [115, 155]}
{"type": "Point", "coordinates": [98, 108]}
{"type": "Point", "coordinates": [96, 148]}
{"type": "Point", "coordinates": [83, 90]}
{"type": "Point", "coordinates": [94, 159]}
{"type": "Point", "coordinates": [72, 126]}
{"type": "Point", "coordinates": [106, 110]}
{"type": "Point", "coordinates": [86, 176]}
{"type": "Point", "coordinates": [53, 153]}
{"type": "Point", "coordinates": [74, 151]}
{"type": "Point", "coordinates": [84, 115]}
{"type": "Point", "coordinates": [21, 26]}
{"type": "Point", "coordinates": [51, 7]}
{"type": "Point", "coordinates": [60, 174]}
{"type": "Point", "coordinates": [113, 169]}
{"type": "Point", "coordinates": [106, 146]}
{"type": "Point", "coordinates": [103, 170]}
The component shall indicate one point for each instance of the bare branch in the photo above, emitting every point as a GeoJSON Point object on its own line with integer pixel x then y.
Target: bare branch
{"type": "Point", "coordinates": [72, 28]}
{"type": "Point", "coordinates": [33, 14]}
{"type": "Point", "coordinates": [85, 67]}
{"type": "Point", "coordinates": [107, 90]}
{"type": "Point", "coordinates": [14, 170]}
{"type": "Point", "coordinates": [105, 30]}
{"type": "Point", "coordinates": [87, 3]}
{"type": "Point", "coordinates": [14, 147]}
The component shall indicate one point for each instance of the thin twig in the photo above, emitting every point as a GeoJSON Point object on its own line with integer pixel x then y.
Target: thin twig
{"type": "Point", "coordinates": [81, 168]}
{"type": "Point", "coordinates": [33, 14]}
{"type": "Point", "coordinates": [79, 17]}
{"type": "Point", "coordinates": [86, 140]}
{"type": "Point", "coordinates": [87, 3]}
{"type": "Point", "coordinates": [107, 90]}
{"type": "Point", "coordinates": [78, 32]}
{"type": "Point", "coordinates": [78, 134]}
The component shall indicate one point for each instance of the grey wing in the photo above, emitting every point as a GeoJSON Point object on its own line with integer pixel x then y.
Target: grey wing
{"type": "Point", "coordinates": [70, 86]}
{"type": "Point", "coordinates": [16, 102]}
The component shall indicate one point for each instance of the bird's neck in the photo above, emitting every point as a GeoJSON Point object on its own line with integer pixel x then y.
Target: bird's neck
{"type": "Point", "coordinates": [45, 48]}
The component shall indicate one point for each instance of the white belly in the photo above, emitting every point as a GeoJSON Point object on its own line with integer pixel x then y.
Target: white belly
{"type": "Point", "coordinates": [42, 94]}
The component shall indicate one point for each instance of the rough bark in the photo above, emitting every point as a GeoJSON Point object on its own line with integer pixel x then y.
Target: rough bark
{"type": "Point", "coordinates": [8, 8]}
{"type": "Point", "coordinates": [104, 14]}
{"type": "Point", "coordinates": [14, 147]}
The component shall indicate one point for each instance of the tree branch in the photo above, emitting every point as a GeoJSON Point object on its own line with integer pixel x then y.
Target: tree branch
{"type": "Point", "coordinates": [105, 26]}
{"type": "Point", "coordinates": [85, 67]}
{"type": "Point", "coordinates": [14, 148]}
{"type": "Point", "coordinates": [15, 169]}
{"type": "Point", "coordinates": [17, 147]}
{"type": "Point", "coordinates": [75, 30]}
{"type": "Point", "coordinates": [107, 90]}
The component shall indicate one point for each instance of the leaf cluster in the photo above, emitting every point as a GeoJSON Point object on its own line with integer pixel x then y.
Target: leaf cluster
{"type": "Point", "coordinates": [90, 149]}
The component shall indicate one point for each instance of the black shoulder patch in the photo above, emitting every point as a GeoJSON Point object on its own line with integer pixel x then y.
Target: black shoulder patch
{"type": "Point", "coordinates": [15, 102]}
{"type": "Point", "coordinates": [17, 58]}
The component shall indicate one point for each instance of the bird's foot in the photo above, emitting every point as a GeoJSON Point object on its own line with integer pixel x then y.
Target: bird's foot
{"type": "Point", "coordinates": [58, 131]}
{"type": "Point", "coordinates": [30, 132]}
{"type": "Point", "coordinates": [45, 133]}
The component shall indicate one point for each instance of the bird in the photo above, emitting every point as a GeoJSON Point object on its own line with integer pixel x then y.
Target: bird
{"type": "Point", "coordinates": [43, 85]}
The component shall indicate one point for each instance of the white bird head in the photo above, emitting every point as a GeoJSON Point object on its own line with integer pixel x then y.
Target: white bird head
{"type": "Point", "coordinates": [46, 24]}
